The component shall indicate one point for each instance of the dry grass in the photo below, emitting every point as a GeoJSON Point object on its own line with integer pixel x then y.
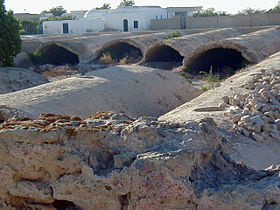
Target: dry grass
{"type": "Point", "coordinates": [59, 71]}
{"type": "Point", "coordinates": [106, 58]}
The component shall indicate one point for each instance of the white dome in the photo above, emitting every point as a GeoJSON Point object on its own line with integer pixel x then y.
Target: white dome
{"type": "Point", "coordinates": [93, 14]}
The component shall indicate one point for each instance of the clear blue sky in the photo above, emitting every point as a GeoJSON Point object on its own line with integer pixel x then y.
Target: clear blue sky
{"type": "Point", "coordinates": [233, 6]}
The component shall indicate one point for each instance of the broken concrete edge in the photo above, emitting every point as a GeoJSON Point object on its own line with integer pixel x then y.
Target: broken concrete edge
{"type": "Point", "coordinates": [60, 161]}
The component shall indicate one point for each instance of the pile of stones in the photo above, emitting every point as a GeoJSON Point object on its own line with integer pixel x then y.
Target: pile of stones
{"type": "Point", "coordinates": [257, 114]}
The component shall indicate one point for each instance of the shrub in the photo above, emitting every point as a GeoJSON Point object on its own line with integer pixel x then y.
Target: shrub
{"type": "Point", "coordinates": [106, 58]}
{"type": "Point", "coordinates": [35, 57]}
{"type": "Point", "coordinates": [210, 77]}
{"type": "Point", "coordinates": [173, 35]}
{"type": "Point", "coordinates": [183, 74]}
{"type": "Point", "coordinates": [123, 61]}
{"type": "Point", "coordinates": [10, 41]}
{"type": "Point", "coordinates": [204, 88]}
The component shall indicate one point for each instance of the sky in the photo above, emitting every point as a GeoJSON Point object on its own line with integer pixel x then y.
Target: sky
{"type": "Point", "coordinates": [233, 6]}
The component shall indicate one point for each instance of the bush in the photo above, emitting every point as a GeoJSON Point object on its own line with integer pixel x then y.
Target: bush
{"type": "Point", "coordinates": [10, 41]}
{"type": "Point", "coordinates": [123, 61]}
{"type": "Point", "coordinates": [210, 77]}
{"type": "Point", "coordinates": [106, 58]}
{"type": "Point", "coordinates": [36, 57]}
{"type": "Point", "coordinates": [173, 35]}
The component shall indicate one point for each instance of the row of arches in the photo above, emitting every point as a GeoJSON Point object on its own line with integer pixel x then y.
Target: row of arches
{"type": "Point", "coordinates": [224, 61]}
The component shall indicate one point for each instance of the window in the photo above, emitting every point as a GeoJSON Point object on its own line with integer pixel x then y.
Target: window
{"type": "Point", "coordinates": [135, 24]}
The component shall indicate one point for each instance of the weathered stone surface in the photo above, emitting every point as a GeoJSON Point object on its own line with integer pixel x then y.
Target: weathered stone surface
{"type": "Point", "coordinates": [125, 163]}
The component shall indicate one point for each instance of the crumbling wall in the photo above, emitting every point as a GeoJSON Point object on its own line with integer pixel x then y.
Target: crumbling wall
{"type": "Point", "coordinates": [113, 161]}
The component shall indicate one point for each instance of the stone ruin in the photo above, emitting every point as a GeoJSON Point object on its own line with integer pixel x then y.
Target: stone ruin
{"type": "Point", "coordinates": [219, 150]}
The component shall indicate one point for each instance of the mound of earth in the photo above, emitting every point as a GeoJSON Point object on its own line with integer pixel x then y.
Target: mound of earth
{"type": "Point", "coordinates": [246, 108]}
{"type": "Point", "coordinates": [113, 161]}
{"type": "Point", "coordinates": [14, 79]}
{"type": "Point", "coordinates": [134, 90]}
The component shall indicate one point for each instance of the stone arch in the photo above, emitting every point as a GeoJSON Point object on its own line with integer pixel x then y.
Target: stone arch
{"type": "Point", "coordinates": [225, 58]}
{"type": "Point", "coordinates": [163, 55]}
{"type": "Point", "coordinates": [119, 49]}
{"type": "Point", "coordinates": [57, 54]}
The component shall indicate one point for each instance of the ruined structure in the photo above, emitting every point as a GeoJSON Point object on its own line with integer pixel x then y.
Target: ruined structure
{"type": "Point", "coordinates": [185, 50]}
{"type": "Point", "coordinates": [220, 150]}
{"type": "Point", "coordinates": [136, 91]}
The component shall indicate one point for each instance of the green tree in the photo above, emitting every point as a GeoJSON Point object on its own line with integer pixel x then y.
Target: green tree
{"type": "Point", "coordinates": [104, 6]}
{"type": "Point", "coordinates": [10, 42]}
{"type": "Point", "coordinates": [251, 11]}
{"type": "Point", "coordinates": [56, 11]}
{"type": "Point", "coordinates": [30, 27]}
{"type": "Point", "coordinates": [274, 10]}
{"type": "Point", "coordinates": [127, 3]}
{"type": "Point", "coordinates": [210, 12]}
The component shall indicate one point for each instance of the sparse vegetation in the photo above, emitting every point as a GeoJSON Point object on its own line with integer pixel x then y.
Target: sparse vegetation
{"type": "Point", "coordinates": [106, 58]}
{"type": "Point", "coordinates": [189, 79]}
{"type": "Point", "coordinates": [210, 77]}
{"type": "Point", "coordinates": [35, 57]}
{"type": "Point", "coordinates": [174, 35]}
{"type": "Point", "coordinates": [184, 68]}
{"type": "Point", "coordinates": [127, 3]}
{"type": "Point", "coordinates": [104, 6]}
{"type": "Point", "coordinates": [210, 12]}
{"type": "Point", "coordinates": [204, 88]}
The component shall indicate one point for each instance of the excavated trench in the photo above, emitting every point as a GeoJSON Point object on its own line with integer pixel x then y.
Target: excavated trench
{"type": "Point", "coordinates": [56, 55]}
{"type": "Point", "coordinates": [120, 50]}
{"type": "Point", "coordinates": [224, 61]}
{"type": "Point", "coordinates": [163, 57]}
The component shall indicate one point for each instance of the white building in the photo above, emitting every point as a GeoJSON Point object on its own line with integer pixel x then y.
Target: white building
{"type": "Point", "coordinates": [121, 19]}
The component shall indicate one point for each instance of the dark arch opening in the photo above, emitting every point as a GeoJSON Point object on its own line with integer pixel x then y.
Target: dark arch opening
{"type": "Point", "coordinates": [164, 57]}
{"type": "Point", "coordinates": [121, 50]}
{"type": "Point", "coordinates": [53, 54]}
{"type": "Point", "coordinates": [224, 61]}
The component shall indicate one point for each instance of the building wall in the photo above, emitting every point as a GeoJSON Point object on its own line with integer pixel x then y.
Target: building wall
{"type": "Point", "coordinates": [27, 16]}
{"type": "Point", "coordinates": [75, 26]}
{"type": "Point", "coordinates": [171, 23]}
{"type": "Point", "coordinates": [115, 18]}
{"type": "Point", "coordinates": [232, 21]}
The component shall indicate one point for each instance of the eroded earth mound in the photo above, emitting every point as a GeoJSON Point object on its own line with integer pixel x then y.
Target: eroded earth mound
{"type": "Point", "coordinates": [14, 79]}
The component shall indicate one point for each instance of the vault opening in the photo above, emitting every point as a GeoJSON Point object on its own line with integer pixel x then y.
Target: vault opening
{"type": "Point", "coordinates": [118, 51]}
{"type": "Point", "coordinates": [55, 55]}
{"type": "Point", "coordinates": [223, 61]}
{"type": "Point", "coordinates": [164, 57]}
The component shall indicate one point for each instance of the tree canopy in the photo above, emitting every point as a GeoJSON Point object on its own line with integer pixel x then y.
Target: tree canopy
{"type": "Point", "coordinates": [210, 12]}
{"type": "Point", "coordinates": [10, 41]}
{"type": "Point", "coordinates": [251, 11]}
{"type": "Point", "coordinates": [104, 6]}
{"type": "Point", "coordinates": [56, 11]}
{"type": "Point", "coordinates": [127, 3]}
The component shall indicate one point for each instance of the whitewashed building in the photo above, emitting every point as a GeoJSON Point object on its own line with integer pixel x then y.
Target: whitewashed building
{"type": "Point", "coordinates": [131, 18]}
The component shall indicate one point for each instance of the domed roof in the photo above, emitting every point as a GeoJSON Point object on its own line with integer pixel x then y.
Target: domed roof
{"type": "Point", "coordinates": [95, 13]}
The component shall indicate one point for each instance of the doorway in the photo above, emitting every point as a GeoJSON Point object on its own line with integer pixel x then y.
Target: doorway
{"type": "Point", "coordinates": [125, 25]}
{"type": "Point", "coordinates": [65, 28]}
